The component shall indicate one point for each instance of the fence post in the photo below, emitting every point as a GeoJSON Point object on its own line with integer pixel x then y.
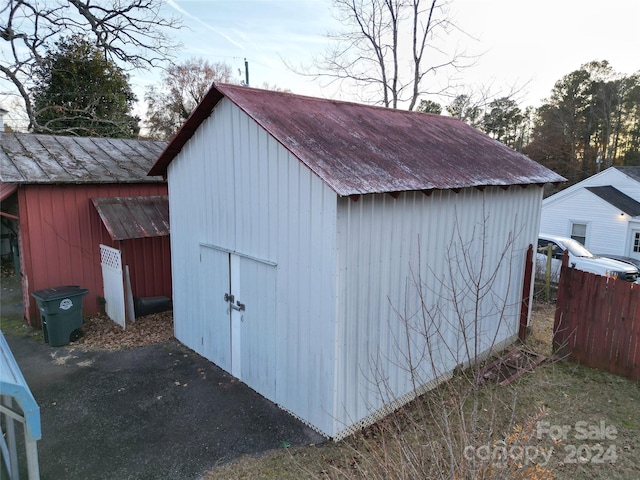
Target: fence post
{"type": "Point", "coordinates": [547, 273]}
{"type": "Point", "coordinates": [526, 295]}
{"type": "Point", "coordinates": [563, 318]}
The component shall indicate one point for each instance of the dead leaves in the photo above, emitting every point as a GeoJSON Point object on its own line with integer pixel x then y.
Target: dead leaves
{"type": "Point", "coordinates": [101, 333]}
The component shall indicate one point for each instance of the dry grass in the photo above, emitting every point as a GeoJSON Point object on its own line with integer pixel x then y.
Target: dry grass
{"type": "Point", "coordinates": [541, 328]}
{"type": "Point", "coordinates": [558, 393]}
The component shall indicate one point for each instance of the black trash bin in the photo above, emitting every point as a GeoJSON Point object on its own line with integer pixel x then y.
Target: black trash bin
{"type": "Point", "coordinates": [60, 312]}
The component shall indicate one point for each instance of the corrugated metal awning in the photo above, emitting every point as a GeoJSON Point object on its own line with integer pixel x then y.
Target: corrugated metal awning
{"type": "Point", "coordinates": [134, 217]}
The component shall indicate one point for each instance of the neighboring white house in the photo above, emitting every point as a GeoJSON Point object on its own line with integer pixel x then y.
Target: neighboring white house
{"type": "Point", "coordinates": [318, 246]}
{"type": "Point", "coordinates": [602, 212]}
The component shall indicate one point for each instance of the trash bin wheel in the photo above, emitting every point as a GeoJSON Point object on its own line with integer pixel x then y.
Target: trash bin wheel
{"type": "Point", "coordinates": [75, 335]}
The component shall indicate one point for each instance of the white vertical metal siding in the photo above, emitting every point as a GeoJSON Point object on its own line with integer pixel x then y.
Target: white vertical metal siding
{"type": "Point", "coordinates": [387, 248]}
{"type": "Point", "coordinates": [235, 188]}
{"type": "Point", "coordinates": [257, 323]}
{"type": "Point", "coordinates": [212, 320]}
{"type": "Point", "coordinates": [606, 228]}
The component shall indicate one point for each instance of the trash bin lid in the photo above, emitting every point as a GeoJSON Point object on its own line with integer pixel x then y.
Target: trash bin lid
{"type": "Point", "coordinates": [55, 293]}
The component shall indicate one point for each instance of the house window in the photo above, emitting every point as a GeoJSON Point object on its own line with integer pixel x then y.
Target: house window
{"type": "Point", "coordinates": [636, 242]}
{"type": "Point", "coordinates": [579, 232]}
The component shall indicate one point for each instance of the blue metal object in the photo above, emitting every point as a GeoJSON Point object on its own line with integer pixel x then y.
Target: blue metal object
{"type": "Point", "coordinates": [14, 390]}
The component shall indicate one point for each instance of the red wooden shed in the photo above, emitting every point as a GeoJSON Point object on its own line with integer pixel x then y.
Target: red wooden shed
{"type": "Point", "coordinates": [52, 187]}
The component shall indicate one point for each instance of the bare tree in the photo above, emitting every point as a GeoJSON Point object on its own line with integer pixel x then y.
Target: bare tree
{"type": "Point", "coordinates": [389, 47]}
{"type": "Point", "coordinates": [132, 33]}
{"type": "Point", "coordinates": [183, 87]}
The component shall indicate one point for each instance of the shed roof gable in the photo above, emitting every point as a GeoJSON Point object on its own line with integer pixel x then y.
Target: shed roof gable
{"type": "Point", "coordinates": [29, 158]}
{"type": "Point", "coordinates": [359, 149]}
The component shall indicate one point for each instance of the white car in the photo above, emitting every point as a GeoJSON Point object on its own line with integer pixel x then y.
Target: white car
{"type": "Point", "coordinates": [579, 258]}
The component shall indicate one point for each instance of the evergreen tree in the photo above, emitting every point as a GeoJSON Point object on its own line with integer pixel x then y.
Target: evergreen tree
{"type": "Point", "coordinates": [589, 123]}
{"type": "Point", "coordinates": [464, 108]}
{"type": "Point", "coordinates": [429, 106]}
{"type": "Point", "coordinates": [504, 121]}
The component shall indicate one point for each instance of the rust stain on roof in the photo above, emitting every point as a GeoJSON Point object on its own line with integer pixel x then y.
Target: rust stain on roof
{"type": "Point", "coordinates": [359, 149]}
{"type": "Point", "coordinates": [134, 217]}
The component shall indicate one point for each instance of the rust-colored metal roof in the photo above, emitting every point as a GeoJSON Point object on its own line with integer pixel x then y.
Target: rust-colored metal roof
{"type": "Point", "coordinates": [134, 217]}
{"type": "Point", "coordinates": [28, 158]}
{"type": "Point", "coordinates": [359, 149]}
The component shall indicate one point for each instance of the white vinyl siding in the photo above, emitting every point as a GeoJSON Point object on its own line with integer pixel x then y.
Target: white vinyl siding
{"type": "Point", "coordinates": [607, 229]}
{"type": "Point", "coordinates": [610, 176]}
{"type": "Point", "coordinates": [615, 177]}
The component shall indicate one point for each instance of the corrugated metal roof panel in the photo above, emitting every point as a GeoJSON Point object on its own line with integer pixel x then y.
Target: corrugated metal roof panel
{"type": "Point", "coordinates": [618, 199]}
{"type": "Point", "coordinates": [134, 217]}
{"type": "Point", "coordinates": [29, 158]}
{"type": "Point", "coordinates": [359, 149]}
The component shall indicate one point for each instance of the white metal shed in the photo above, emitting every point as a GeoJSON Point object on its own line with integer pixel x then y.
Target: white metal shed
{"type": "Point", "coordinates": [307, 234]}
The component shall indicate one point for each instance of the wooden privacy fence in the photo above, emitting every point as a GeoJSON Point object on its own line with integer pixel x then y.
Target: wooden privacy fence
{"type": "Point", "coordinates": [597, 322]}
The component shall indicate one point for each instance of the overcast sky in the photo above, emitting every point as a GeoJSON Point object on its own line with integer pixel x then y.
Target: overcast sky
{"type": "Point", "coordinates": [524, 42]}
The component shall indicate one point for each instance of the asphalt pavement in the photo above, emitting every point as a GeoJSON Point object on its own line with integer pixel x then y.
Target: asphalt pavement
{"type": "Point", "coordinates": [155, 412]}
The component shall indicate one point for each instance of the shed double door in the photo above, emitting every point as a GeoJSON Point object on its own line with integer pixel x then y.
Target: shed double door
{"type": "Point", "coordinates": [240, 296]}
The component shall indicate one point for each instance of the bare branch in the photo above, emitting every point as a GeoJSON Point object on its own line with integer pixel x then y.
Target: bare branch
{"type": "Point", "coordinates": [131, 33]}
{"type": "Point", "coordinates": [388, 48]}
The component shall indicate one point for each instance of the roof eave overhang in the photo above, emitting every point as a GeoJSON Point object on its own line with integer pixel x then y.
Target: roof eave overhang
{"type": "Point", "coordinates": [455, 187]}
{"type": "Point", "coordinates": [188, 129]}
